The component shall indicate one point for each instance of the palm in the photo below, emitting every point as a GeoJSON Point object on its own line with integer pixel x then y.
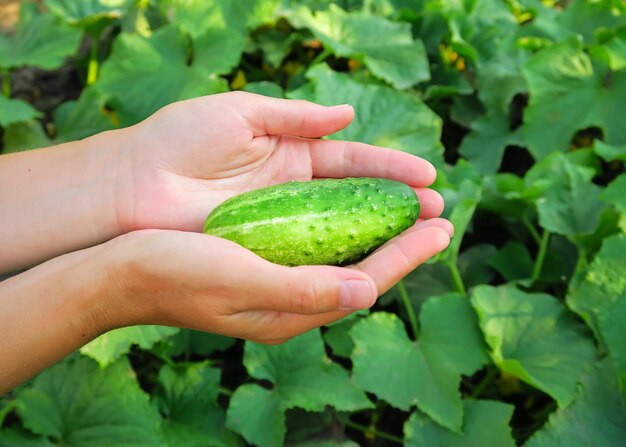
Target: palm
{"type": "Point", "coordinates": [227, 144]}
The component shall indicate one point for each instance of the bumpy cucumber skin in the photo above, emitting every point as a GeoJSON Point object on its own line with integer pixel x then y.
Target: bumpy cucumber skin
{"type": "Point", "coordinates": [331, 221]}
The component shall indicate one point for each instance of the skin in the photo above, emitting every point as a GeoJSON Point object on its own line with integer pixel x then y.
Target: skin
{"type": "Point", "coordinates": [112, 225]}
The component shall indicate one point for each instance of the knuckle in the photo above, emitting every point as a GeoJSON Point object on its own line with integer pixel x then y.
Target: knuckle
{"type": "Point", "coordinates": [305, 297]}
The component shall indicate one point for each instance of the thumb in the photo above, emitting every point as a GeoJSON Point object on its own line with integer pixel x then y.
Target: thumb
{"type": "Point", "coordinates": [311, 290]}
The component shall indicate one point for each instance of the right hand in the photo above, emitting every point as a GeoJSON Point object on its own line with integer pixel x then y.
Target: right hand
{"type": "Point", "coordinates": [210, 284]}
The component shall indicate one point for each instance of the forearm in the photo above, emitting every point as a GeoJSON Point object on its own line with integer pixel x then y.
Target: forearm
{"type": "Point", "coordinates": [59, 199]}
{"type": "Point", "coordinates": [50, 311]}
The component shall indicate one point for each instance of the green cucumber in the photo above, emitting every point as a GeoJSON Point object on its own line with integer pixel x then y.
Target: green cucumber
{"type": "Point", "coordinates": [331, 221]}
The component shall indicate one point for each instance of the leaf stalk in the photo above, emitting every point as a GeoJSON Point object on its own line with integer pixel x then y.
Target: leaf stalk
{"type": "Point", "coordinates": [457, 279]}
{"type": "Point", "coordinates": [375, 432]}
{"type": "Point", "coordinates": [93, 67]}
{"type": "Point", "coordinates": [6, 83]}
{"type": "Point", "coordinates": [406, 300]}
{"type": "Point", "coordinates": [541, 255]}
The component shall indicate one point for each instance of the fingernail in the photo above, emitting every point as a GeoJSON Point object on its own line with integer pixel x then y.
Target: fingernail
{"type": "Point", "coordinates": [338, 106]}
{"type": "Point", "coordinates": [355, 294]}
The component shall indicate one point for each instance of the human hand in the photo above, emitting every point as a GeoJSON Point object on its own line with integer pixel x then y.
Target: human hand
{"type": "Point", "coordinates": [201, 282]}
{"type": "Point", "coordinates": [192, 155]}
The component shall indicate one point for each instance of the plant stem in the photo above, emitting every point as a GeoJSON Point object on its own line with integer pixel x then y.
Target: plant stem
{"type": "Point", "coordinates": [541, 255]}
{"type": "Point", "coordinates": [489, 376]}
{"type": "Point", "coordinates": [374, 432]}
{"type": "Point", "coordinates": [6, 83]}
{"type": "Point", "coordinates": [457, 279]}
{"type": "Point", "coordinates": [225, 391]}
{"type": "Point", "coordinates": [404, 295]}
{"type": "Point", "coordinates": [94, 65]}
{"type": "Point", "coordinates": [322, 56]}
{"type": "Point", "coordinates": [531, 229]}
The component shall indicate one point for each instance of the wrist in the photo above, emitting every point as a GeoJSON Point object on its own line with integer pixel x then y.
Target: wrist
{"type": "Point", "coordinates": [109, 168]}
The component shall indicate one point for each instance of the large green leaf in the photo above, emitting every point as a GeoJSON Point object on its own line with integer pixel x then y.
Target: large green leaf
{"type": "Point", "coordinates": [73, 120]}
{"type": "Point", "coordinates": [426, 372]}
{"type": "Point", "coordinates": [615, 193]}
{"type": "Point", "coordinates": [383, 116]}
{"type": "Point", "coordinates": [86, 13]}
{"type": "Point", "coordinates": [484, 146]}
{"type": "Point", "coordinates": [144, 74]}
{"type": "Point", "coordinates": [598, 295]}
{"type": "Point", "coordinates": [301, 375]}
{"type": "Point", "coordinates": [15, 111]}
{"type": "Point", "coordinates": [217, 51]}
{"type": "Point", "coordinates": [196, 16]}
{"type": "Point", "coordinates": [107, 348]}
{"type": "Point", "coordinates": [569, 92]}
{"type": "Point", "coordinates": [40, 41]}
{"type": "Point", "coordinates": [597, 418]}
{"type": "Point", "coordinates": [79, 404]}
{"type": "Point", "coordinates": [387, 48]}
{"type": "Point", "coordinates": [186, 396]}
{"type": "Point", "coordinates": [15, 437]}
{"type": "Point", "coordinates": [571, 205]}
{"type": "Point", "coordinates": [486, 423]}
{"type": "Point", "coordinates": [535, 338]}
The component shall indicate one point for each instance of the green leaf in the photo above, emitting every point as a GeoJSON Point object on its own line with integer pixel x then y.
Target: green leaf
{"type": "Point", "coordinates": [462, 201]}
{"type": "Point", "coordinates": [500, 78]}
{"type": "Point", "coordinates": [190, 342]}
{"type": "Point", "coordinates": [434, 279]}
{"type": "Point", "coordinates": [40, 41]}
{"type": "Point", "coordinates": [387, 48]}
{"type": "Point", "coordinates": [24, 136]}
{"type": "Point", "coordinates": [186, 396]}
{"type": "Point", "coordinates": [80, 404]}
{"type": "Point", "coordinates": [73, 120]}
{"type": "Point", "coordinates": [615, 193]}
{"type": "Point", "coordinates": [513, 262]}
{"type": "Point", "coordinates": [486, 423]}
{"type": "Point", "coordinates": [383, 116]}
{"type": "Point", "coordinates": [302, 376]}
{"type": "Point", "coordinates": [609, 152]}
{"type": "Point", "coordinates": [572, 206]}
{"type": "Point", "coordinates": [534, 338]}
{"type": "Point", "coordinates": [86, 13]}
{"type": "Point", "coordinates": [196, 16]}
{"type": "Point", "coordinates": [217, 51]}
{"type": "Point", "coordinates": [15, 111]}
{"type": "Point", "coordinates": [144, 74]}
{"type": "Point", "coordinates": [569, 92]}
{"type": "Point", "coordinates": [584, 17]}
{"type": "Point", "coordinates": [306, 429]}
{"type": "Point", "coordinates": [596, 418]}
{"type": "Point", "coordinates": [427, 372]}
{"type": "Point", "coordinates": [15, 437]}
{"type": "Point", "coordinates": [265, 88]}
{"type": "Point", "coordinates": [107, 348]}
{"type": "Point", "coordinates": [337, 334]}
{"type": "Point", "coordinates": [484, 146]}
{"type": "Point", "coordinates": [598, 295]}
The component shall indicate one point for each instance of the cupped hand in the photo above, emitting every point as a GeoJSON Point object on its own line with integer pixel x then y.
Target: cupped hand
{"type": "Point", "coordinates": [192, 155]}
{"type": "Point", "coordinates": [201, 282]}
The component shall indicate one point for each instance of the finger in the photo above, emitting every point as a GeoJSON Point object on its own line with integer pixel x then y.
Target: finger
{"type": "Point", "coordinates": [431, 203]}
{"type": "Point", "coordinates": [438, 222]}
{"type": "Point", "coordinates": [398, 257]}
{"type": "Point", "coordinates": [340, 159]}
{"type": "Point", "coordinates": [310, 290]}
{"type": "Point", "coordinates": [274, 116]}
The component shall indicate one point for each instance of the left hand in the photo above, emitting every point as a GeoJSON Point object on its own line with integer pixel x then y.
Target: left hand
{"type": "Point", "coordinates": [192, 155]}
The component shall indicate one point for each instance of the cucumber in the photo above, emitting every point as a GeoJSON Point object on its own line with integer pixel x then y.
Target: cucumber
{"type": "Point", "coordinates": [331, 221]}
